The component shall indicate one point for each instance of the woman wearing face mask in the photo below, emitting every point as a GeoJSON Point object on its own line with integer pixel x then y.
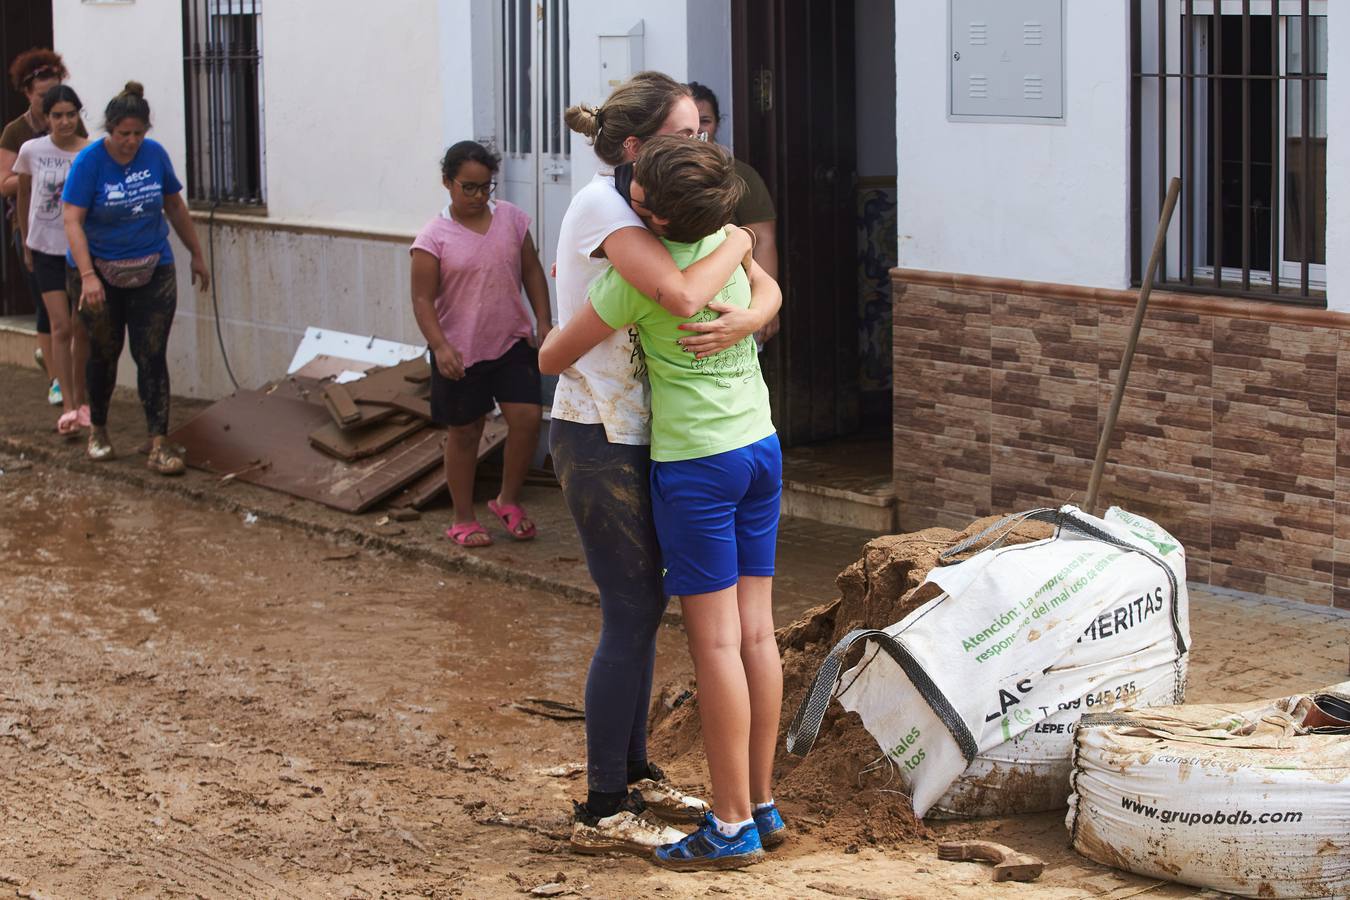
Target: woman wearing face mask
{"type": "Point", "coordinates": [120, 197]}
{"type": "Point", "coordinates": [33, 73]}
{"type": "Point", "coordinates": [600, 441]}
{"type": "Point", "coordinates": [42, 166]}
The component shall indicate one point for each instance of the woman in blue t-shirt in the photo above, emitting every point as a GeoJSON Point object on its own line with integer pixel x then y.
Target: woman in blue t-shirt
{"type": "Point", "coordinates": [121, 195]}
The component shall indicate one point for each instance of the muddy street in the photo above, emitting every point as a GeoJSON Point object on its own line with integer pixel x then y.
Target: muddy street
{"type": "Point", "coordinates": [194, 705]}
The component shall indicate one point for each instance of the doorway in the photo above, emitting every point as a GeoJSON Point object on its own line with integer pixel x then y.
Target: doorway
{"type": "Point", "coordinates": [23, 24]}
{"type": "Point", "coordinates": [793, 89]}
{"type": "Point", "coordinates": [535, 144]}
{"type": "Point", "coordinates": [813, 87]}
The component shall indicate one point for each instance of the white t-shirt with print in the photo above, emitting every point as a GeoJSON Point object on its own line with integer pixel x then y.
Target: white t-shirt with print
{"type": "Point", "coordinates": [48, 165]}
{"type": "Point", "coordinates": [609, 384]}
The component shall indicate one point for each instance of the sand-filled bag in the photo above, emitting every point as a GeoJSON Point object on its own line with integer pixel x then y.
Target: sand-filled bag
{"type": "Point", "coordinates": [1253, 801]}
{"type": "Point", "coordinates": [973, 696]}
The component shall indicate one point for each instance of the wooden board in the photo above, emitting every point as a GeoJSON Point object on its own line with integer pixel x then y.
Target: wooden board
{"type": "Point", "coordinates": [398, 398]}
{"type": "Point", "coordinates": [324, 367]}
{"type": "Point", "coordinates": [266, 440]}
{"type": "Point", "coordinates": [408, 377]}
{"type": "Point", "coordinates": [341, 405]}
{"type": "Point", "coordinates": [431, 486]}
{"type": "Point", "coordinates": [372, 399]}
{"type": "Point", "coordinates": [353, 445]}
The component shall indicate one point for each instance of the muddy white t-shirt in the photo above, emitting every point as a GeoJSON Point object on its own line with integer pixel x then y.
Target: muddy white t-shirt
{"type": "Point", "coordinates": [47, 164]}
{"type": "Point", "coordinates": [609, 384]}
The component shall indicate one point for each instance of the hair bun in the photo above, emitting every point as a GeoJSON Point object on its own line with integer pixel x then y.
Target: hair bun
{"type": "Point", "coordinates": [134, 89]}
{"type": "Point", "coordinates": [583, 119]}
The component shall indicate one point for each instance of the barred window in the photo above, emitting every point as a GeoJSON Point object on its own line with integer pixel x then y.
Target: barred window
{"type": "Point", "coordinates": [222, 56]}
{"type": "Point", "coordinates": [1231, 96]}
{"type": "Point", "coordinates": [535, 40]}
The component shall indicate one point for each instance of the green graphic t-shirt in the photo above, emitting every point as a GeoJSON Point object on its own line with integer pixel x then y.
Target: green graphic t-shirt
{"type": "Point", "coordinates": [700, 407]}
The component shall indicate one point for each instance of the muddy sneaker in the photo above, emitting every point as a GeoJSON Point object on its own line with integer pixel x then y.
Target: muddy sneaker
{"type": "Point", "coordinates": [772, 830]}
{"type": "Point", "coordinates": [666, 801]}
{"type": "Point", "coordinates": [99, 448]}
{"type": "Point", "coordinates": [166, 459]}
{"type": "Point", "coordinates": [707, 849]}
{"type": "Point", "coordinates": [627, 831]}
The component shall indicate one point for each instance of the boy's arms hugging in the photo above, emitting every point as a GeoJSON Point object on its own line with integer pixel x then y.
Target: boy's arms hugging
{"type": "Point", "coordinates": [565, 344]}
{"type": "Point", "coordinates": [733, 324]}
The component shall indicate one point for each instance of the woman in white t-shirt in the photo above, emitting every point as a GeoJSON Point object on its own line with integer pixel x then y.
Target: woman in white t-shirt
{"type": "Point", "coordinates": [42, 166]}
{"type": "Point", "coordinates": [600, 442]}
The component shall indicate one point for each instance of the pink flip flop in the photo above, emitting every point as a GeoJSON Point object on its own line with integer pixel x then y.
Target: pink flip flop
{"type": "Point", "coordinates": [461, 533]}
{"type": "Point", "coordinates": [69, 424]}
{"type": "Point", "coordinates": [511, 516]}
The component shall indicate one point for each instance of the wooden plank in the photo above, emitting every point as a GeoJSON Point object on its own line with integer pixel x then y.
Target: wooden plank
{"type": "Point", "coordinates": [419, 406]}
{"type": "Point", "coordinates": [265, 439]}
{"type": "Point", "coordinates": [353, 445]}
{"type": "Point", "coordinates": [424, 491]}
{"type": "Point", "coordinates": [431, 486]}
{"type": "Point", "coordinates": [391, 381]}
{"type": "Point", "coordinates": [324, 366]}
{"type": "Point", "coordinates": [341, 405]}
{"type": "Point", "coordinates": [296, 387]}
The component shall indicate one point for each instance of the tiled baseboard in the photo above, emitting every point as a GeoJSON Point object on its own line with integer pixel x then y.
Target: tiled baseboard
{"type": "Point", "coordinates": [1234, 433]}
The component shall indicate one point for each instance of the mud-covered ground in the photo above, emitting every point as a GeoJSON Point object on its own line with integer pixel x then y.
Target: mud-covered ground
{"type": "Point", "coordinates": [192, 705]}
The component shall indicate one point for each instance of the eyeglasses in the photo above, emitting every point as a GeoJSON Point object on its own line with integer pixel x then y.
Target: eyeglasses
{"type": "Point", "coordinates": [471, 189]}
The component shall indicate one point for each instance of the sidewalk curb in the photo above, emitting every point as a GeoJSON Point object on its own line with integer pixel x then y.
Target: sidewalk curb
{"type": "Point", "coordinates": [455, 561]}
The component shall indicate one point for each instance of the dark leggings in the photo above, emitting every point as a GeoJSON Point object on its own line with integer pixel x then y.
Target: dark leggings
{"type": "Point", "coordinates": [44, 322]}
{"type": "Point", "coordinates": [607, 491]}
{"type": "Point", "coordinates": [144, 315]}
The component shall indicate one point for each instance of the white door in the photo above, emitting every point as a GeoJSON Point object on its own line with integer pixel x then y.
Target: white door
{"type": "Point", "coordinates": [536, 166]}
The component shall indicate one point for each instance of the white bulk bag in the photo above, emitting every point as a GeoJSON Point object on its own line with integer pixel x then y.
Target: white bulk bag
{"type": "Point", "coordinates": [1246, 801]}
{"type": "Point", "coordinates": [1035, 634]}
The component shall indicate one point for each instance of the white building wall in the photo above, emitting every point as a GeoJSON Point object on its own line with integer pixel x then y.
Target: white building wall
{"type": "Point", "coordinates": [356, 113]}
{"type": "Point", "coordinates": [354, 119]}
{"type": "Point", "coordinates": [710, 57]}
{"type": "Point", "coordinates": [1034, 201]}
{"type": "Point", "coordinates": [148, 38]}
{"type": "Point", "coordinates": [666, 48]}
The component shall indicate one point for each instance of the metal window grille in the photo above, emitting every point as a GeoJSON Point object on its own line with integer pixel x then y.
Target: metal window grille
{"type": "Point", "coordinates": [222, 56]}
{"type": "Point", "coordinates": [1231, 96]}
{"type": "Point", "coordinates": [535, 34]}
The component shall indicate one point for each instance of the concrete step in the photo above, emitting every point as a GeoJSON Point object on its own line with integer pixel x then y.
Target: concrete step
{"type": "Point", "coordinates": [846, 481]}
{"type": "Point", "coordinates": [872, 511]}
{"type": "Point", "coordinates": [18, 336]}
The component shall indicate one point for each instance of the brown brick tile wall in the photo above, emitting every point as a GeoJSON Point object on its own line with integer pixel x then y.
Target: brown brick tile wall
{"type": "Point", "coordinates": [1234, 433]}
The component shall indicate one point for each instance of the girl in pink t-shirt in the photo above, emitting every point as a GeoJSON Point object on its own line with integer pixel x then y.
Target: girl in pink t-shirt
{"type": "Point", "coordinates": [468, 266]}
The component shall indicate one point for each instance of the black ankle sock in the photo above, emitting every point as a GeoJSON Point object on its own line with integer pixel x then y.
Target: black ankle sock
{"type": "Point", "coordinates": [603, 804]}
{"type": "Point", "coordinates": [643, 769]}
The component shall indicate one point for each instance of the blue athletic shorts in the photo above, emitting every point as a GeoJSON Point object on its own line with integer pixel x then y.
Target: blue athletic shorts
{"type": "Point", "coordinates": [717, 516]}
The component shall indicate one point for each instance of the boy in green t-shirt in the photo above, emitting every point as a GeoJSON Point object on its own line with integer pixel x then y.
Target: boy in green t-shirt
{"type": "Point", "coordinates": [716, 480]}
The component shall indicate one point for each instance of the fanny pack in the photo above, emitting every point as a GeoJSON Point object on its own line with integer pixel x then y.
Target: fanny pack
{"type": "Point", "coordinates": [128, 273]}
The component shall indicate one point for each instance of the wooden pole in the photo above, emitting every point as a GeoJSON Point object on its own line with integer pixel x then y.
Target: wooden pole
{"type": "Point", "coordinates": [1104, 442]}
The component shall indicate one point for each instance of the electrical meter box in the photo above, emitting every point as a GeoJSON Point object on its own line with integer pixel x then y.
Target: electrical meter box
{"type": "Point", "coordinates": [1007, 60]}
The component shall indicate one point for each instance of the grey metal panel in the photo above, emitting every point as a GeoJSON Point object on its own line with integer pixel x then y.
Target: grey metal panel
{"type": "Point", "coordinates": [1007, 58]}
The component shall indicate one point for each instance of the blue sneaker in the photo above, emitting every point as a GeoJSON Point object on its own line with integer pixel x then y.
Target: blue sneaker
{"type": "Point", "coordinates": [772, 830]}
{"type": "Point", "coordinates": [707, 849]}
